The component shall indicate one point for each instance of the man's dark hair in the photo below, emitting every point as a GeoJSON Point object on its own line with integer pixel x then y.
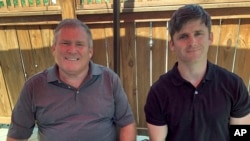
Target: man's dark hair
{"type": "Point", "coordinates": [187, 13]}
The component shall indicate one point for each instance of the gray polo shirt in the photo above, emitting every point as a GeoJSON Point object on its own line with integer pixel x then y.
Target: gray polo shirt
{"type": "Point", "coordinates": [64, 113]}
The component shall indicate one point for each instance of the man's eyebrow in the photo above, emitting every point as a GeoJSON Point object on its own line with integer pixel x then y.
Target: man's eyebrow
{"type": "Point", "coordinates": [182, 34]}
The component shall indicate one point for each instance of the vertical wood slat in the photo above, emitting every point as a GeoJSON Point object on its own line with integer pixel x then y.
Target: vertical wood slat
{"type": "Point", "coordinates": [34, 3]}
{"type": "Point", "coordinates": [68, 8]}
{"type": "Point", "coordinates": [171, 56]}
{"type": "Point", "coordinates": [213, 49]}
{"type": "Point", "coordinates": [5, 110]}
{"type": "Point", "coordinates": [5, 103]}
{"type": "Point", "coordinates": [98, 32]}
{"type": "Point", "coordinates": [142, 55]}
{"type": "Point", "coordinates": [11, 4]}
{"type": "Point", "coordinates": [47, 32]}
{"type": "Point", "coordinates": [79, 3]}
{"type": "Point", "coordinates": [159, 34]}
{"type": "Point", "coordinates": [109, 45]}
{"type": "Point", "coordinates": [19, 3]}
{"type": "Point", "coordinates": [26, 3]}
{"type": "Point", "coordinates": [128, 64]}
{"type": "Point", "coordinates": [227, 43]}
{"type": "Point", "coordinates": [51, 2]}
{"type": "Point", "coordinates": [42, 3]}
{"type": "Point", "coordinates": [26, 51]}
{"type": "Point", "coordinates": [11, 64]}
{"type": "Point", "coordinates": [38, 49]}
{"type": "Point", "coordinates": [242, 67]}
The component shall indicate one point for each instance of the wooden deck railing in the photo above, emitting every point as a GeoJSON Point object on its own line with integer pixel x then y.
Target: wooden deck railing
{"type": "Point", "coordinates": [28, 7]}
{"type": "Point", "coordinates": [14, 7]}
{"type": "Point", "coordinates": [106, 6]}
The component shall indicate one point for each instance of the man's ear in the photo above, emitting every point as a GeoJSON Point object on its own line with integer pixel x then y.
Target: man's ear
{"type": "Point", "coordinates": [53, 49]}
{"type": "Point", "coordinates": [211, 38]}
{"type": "Point", "coordinates": [171, 45]}
{"type": "Point", "coordinates": [91, 52]}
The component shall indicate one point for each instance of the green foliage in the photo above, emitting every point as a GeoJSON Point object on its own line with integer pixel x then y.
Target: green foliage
{"type": "Point", "coordinates": [1, 4]}
{"type": "Point", "coordinates": [97, 1]}
{"type": "Point", "coordinates": [8, 2]}
{"type": "Point", "coordinates": [15, 2]}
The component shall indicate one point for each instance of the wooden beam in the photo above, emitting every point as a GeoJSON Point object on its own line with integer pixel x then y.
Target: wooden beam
{"type": "Point", "coordinates": [231, 13]}
{"type": "Point", "coordinates": [5, 120]}
{"type": "Point", "coordinates": [30, 20]}
{"type": "Point", "coordinates": [28, 13]}
{"type": "Point", "coordinates": [68, 8]}
{"type": "Point", "coordinates": [152, 6]}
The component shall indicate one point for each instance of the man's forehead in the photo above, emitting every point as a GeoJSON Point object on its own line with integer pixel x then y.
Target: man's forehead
{"type": "Point", "coordinates": [193, 26]}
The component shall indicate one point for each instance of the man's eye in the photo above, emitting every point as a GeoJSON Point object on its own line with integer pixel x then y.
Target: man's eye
{"type": "Point", "coordinates": [183, 37]}
{"type": "Point", "coordinates": [80, 44]}
{"type": "Point", "coordinates": [65, 43]}
{"type": "Point", "coordinates": [198, 33]}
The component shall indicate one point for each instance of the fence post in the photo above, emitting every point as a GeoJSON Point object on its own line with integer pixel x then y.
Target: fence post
{"type": "Point", "coordinates": [68, 8]}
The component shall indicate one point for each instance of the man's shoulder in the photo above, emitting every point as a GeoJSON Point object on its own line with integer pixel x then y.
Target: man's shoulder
{"type": "Point", "coordinates": [101, 69]}
{"type": "Point", "coordinates": [220, 71]}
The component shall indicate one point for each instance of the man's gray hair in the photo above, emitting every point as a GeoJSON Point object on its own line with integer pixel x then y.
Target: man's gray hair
{"type": "Point", "coordinates": [72, 23]}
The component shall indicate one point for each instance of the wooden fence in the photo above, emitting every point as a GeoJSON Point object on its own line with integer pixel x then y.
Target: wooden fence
{"type": "Point", "coordinates": [25, 43]}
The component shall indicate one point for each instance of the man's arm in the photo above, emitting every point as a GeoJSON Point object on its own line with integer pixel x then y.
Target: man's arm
{"type": "Point", "coordinates": [128, 133]}
{"type": "Point", "coordinates": [12, 139]}
{"type": "Point", "coordinates": [157, 133]}
{"type": "Point", "coordinates": [240, 121]}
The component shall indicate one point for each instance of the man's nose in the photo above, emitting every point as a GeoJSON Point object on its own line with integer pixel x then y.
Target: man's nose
{"type": "Point", "coordinates": [192, 40]}
{"type": "Point", "coordinates": [72, 48]}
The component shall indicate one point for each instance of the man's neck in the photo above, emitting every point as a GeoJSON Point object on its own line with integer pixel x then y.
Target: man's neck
{"type": "Point", "coordinates": [74, 80]}
{"type": "Point", "coordinates": [193, 72]}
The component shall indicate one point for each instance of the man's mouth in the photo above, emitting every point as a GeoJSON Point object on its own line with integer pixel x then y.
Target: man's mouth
{"type": "Point", "coordinates": [72, 59]}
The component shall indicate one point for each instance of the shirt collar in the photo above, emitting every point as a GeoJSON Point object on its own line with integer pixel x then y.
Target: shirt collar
{"type": "Point", "coordinates": [178, 80]}
{"type": "Point", "coordinates": [52, 76]}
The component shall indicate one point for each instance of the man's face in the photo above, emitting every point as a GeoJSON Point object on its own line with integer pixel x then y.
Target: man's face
{"type": "Point", "coordinates": [191, 43]}
{"type": "Point", "coordinates": [71, 51]}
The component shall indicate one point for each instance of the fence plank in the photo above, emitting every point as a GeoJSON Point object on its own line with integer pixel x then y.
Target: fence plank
{"type": "Point", "coordinates": [242, 67]}
{"type": "Point", "coordinates": [227, 43]}
{"type": "Point", "coordinates": [37, 50]}
{"type": "Point", "coordinates": [5, 110]}
{"type": "Point", "coordinates": [68, 8]}
{"type": "Point", "coordinates": [5, 103]}
{"type": "Point", "coordinates": [98, 32]}
{"type": "Point", "coordinates": [47, 32]}
{"type": "Point", "coordinates": [171, 58]}
{"type": "Point", "coordinates": [26, 50]}
{"type": "Point", "coordinates": [143, 59]}
{"type": "Point", "coordinates": [11, 63]}
{"type": "Point", "coordinates": [159, 35]}
{"type": "Point", "coordinates": [109, 45]}
{"type": "Point", "coordinates": [213, 49]}
{"type": "Point", "coordinates": [128, 64]}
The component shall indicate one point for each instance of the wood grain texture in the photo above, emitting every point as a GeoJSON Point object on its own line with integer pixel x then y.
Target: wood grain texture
{"type": "Point", "coordinates": [100, 52]}
{"type": "Point", "coordinates": [128, 65]}
{"type": "Point", "coordinates": [143, 67]}
{"type": "Point", "coordinates": [213, 49]}
{"type": "Point", "coordinates": [228, 42]}
{"type": "Point", "coordinates": [241, 65]}
{"type": "Point", "coordinates": [11, 64]}
{"type": "Point", "coordinates": [159, 36]}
